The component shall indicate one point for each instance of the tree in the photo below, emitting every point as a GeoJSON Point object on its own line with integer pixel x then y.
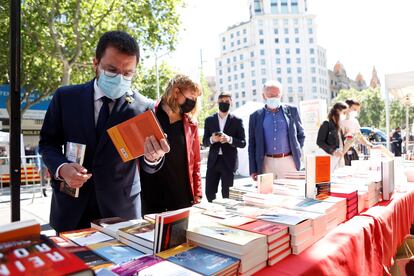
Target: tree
{"type": "Point", "coordinates": [207, 106]}
{"type": "Point", "coordinates": [146, 79]}
{"type": "Point", "coordinates": [59, 37]}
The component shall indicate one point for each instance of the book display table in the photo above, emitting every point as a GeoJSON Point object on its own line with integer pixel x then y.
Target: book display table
{"type": "Point", "coordinates": [363, 245]}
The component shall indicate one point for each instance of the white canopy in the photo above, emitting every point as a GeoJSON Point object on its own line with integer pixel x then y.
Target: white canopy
{"type": "Point", "coordinates": [401, 87]}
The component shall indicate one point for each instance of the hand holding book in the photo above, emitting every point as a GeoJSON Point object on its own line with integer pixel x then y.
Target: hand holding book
{"type": "Point", "coordinates": [74, 174]}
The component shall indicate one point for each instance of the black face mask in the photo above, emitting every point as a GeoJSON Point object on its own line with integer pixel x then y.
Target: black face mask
{"type": "Point", "coordinates": [188, 105]}
{"type": "Point", "coordinates": [224, 107]}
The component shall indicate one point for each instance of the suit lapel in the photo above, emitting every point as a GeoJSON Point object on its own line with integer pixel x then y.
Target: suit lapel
{"type": "Point", "coordinates": [286, 113]}
{"type": "Point", "coordinates": [216, 126]}
{"type": "Point", "coordinates": [228, 122]}
{"type": "Point", "coordinates": [87, 111]}
{"type": "Point", "coordinates": [259, 126]}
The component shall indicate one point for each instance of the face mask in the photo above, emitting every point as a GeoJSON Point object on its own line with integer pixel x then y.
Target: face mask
{"type": "Point", "coordinates": [115, 87]}
{"type": "Point", "coordinates": [353, 114]}
{"type": "Point", "coordinates": [273, 102]}
{"type": "Point", "coordinates": [188, 105]}
{"type": "Point", "coordinates": [342, 117]}
{"type": "Point", "coordinates": [224, 107]}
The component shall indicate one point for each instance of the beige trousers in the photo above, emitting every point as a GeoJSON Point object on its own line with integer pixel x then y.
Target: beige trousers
{"type": "Point", "coordinates": [279, 166]}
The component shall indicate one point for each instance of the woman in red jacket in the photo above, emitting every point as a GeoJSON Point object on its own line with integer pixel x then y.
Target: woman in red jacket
{"type": "Point", "coordinates": [178, 183]}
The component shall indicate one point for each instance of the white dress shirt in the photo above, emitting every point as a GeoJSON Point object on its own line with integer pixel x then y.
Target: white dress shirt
{"type": "Point", "coordinates": [222, 123]}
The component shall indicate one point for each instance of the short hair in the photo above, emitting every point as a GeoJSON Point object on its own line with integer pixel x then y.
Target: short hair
{"type": "Point", "coordinates": [182, 82]}
{"type": "Point", "coordinates": [272, 83]}
{"type": "Point", "coordinates": [120, 40]}
{"type": "Point", "coordinates": [224, 94]}
{"type": "Point", "coordinates": [351, 102]}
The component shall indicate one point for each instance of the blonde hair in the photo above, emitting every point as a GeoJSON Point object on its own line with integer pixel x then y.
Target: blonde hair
{"type": "Point", "coordinates": [182, 82]}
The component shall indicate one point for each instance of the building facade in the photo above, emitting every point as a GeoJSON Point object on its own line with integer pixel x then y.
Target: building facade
{"type": "Point", "coordinates": [277, 43]}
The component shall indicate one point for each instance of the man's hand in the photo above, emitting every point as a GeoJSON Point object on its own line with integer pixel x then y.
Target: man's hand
{"type": "Point", "coordinates": [74, 174]}
{"type": "Point", "coordinates": [224, 138]}
{"type": "Point", "coordinates": [215, 137]}
{"type": "Point", "coordinates": [254, 176]}
{"type": "Point", "coordinates": [154, 150]}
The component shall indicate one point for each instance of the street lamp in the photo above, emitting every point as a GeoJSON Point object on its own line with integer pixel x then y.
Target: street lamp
{"type": "Point", "coordinates": [157, 77]}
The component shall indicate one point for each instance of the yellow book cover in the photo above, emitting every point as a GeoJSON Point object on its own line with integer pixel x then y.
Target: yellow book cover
{"type": "Point", "coordinates": [174, 251]}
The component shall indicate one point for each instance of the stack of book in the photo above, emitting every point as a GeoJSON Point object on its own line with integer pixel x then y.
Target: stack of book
{"type": "Point", "coordinates": [295, 175]}
{"type": "Point", "coordinates": [241, 187]}
{"type": "Point", "coordinates": [250, 248]}
{"type": "Point", "coordinates": [351, 197]}
{"type": "Point", "coordinates": [201, 260]}
{"type": "Point", "coordinates": [318, 176]}
{"type": "Point", "coordinates": [278, 239]}
{"type": "Point", "coordinates": [140, 236]}
{"type": "Point", "coordinates": [289, 186]}
{"type": "Point", "coordinates": [23, 251]}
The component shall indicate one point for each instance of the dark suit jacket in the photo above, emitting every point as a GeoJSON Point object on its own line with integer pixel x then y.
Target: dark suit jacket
{"type": "Point", "coordinates": [70, 118]}
{"type": "Point", "coordinates": [256, 137]}
{"type": "Point", "coordinates": [233, 128]}
{"type": "Point", "coordinates": [328, 138]}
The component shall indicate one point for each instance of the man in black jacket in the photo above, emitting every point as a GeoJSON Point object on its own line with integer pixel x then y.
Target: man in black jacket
{"type": "Point", "coordinates": [224, 133]}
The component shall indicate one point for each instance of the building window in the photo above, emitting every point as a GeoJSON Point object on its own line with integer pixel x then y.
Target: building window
{"type": "Point", "coordinates": [275, 22]}
{"type": "Point", "coordinates": [254, 92]}
{"type": "Point", "coordinates": [251, 54]}
{"type": "Point", "coordinates": [221, 81]}
{"type": "Point", "coordinates": [238, 41]}
{"type": "Point", "coordinates": [276, 31]}
{"type": "Point", "coordinates": [299, 79]}
{"type": "Point", "coordinates": [232, 44]}
{"type": "Point", "coordinates": [223, 39]}
{"type": "Point", "coordinates": [286, 40]}
{"type": "Point", "coordinates": [262, 62]}
{"type": "Point", "coordinates": [279, 79]}
{"type": "Point", "coordinates": [219, 63]}
{"type": "Point", "coordinates": [290, 89]}
{"type": "Point", "coordinates": [296, 21]}
{"type": "Point", "coordinates": [238, 33]}
{"type": "Point", "coordinates": [235, 67]}
{"type": "Point", "coordinates": [288, 60]}
{"type": "Point", "coordinates": [258, 6]}
{"type": "Point", "coordinates": [286, 30]}
{"type": "Point", "coordinates": [299, 70]}
{"type": "Point", "coordinates": [287, 51]}
{"type": "Point", "coordinates": [277, 51]}
{"type": "Point", "coordinates": [262, 52]}
{"type": "Point", "coordinates": [261, 41]}
{"type": "Point", "coordinates": [309, 21]}
{"type": "Point", "coordinates": [263, 71]}
{"type": "Point", "coordinates": [242, 85]}
{"type": "Point", "coordinates": [229, 87]}
{"type": "Point", "coordinates": [297, 51]}
{"type": "Point", "coordinates": [228, 69]}
{"type": "Point", "coordinates": [237, 104]}
{"type": "Point", "coordinates": [289, 79]}
{"type": "Point", "coordinates": [253, 73]}
{"type": "Point", "coordinates": [294, 6]}
{"type": "Point", "coordinates": [300, 89]}
{"type": "Point", "coordinates": [284, 6]}
{"type": "Point", "coordinates": [289, 70]}
{"type": "Point", "coordinates": [311, 40]}
{"type": "Point", "coordinates": [234, 59]}
{"type": "Point", "coordinates": [314, 89]}
{"type": "Point", "coordinates": [231, 35]}
{"type": "Point", "coordinates": [296, 39]}
{"type": "Point", "coordinates": [235, 77]}
{"type": "Point", "coordinates": [245, 40]}
{"type": "Point", "coordinates": [313, 70]}
{"type": "Point", "coordinates": [276, 40]}
{"type": "Point", "coordinates": [241, 57]}
{"type": "Point", "coordinates": [228, 60]}
{"type": "Point", "coordinates": [312, 60]}
{"type": "Point", "coordinates": [291, 99]}
{"type": "Point", "coordinates": [277, 60]}
{"type": "Point", "coordinates": [296, 30]}
{"type": "Point", "coordinates": [298, 60]}
{"type": "Point", "coordinates": [243, 94]}
{"type": "Point", "coordinates": [253, 82]}
{"type": "Point", "coordinates": [244, 31]}
{"type": "Point", "coordinates": [313, 79]}
{"type": "Point", "coordinates": [278, 70]}
{"type": "Point", "coordinates": [260, 32]}
{"type": "Point", "coordinates": [220, 72]}
{"type": "Point", "coordinates": [312, 51]}
{"type": "Point", "coordinates": [273, 6]}
{"type": "Point", "coordinates": [229, 78]}
{"type": "Point", "coordinates": [310, 31]}
{"type": "Point", "coordinates": [263, 81]}
{"type": "Point", "coordinates": [286, 21]}
{"type": "Point", "coordinates": [241, 66]}
{"type": "Point", "coordinates": [236, 86]}
{"type": "Point", "coordinates": [224, 47]}
{"type": "Point", "coordinates": [237, 95]}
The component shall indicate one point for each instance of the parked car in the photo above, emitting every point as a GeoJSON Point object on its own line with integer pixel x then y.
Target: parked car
{"type": "Point", "coordinates": [374, 135]}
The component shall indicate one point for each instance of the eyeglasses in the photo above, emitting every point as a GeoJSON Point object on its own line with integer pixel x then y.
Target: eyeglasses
{"type": "Point", "coordinates": [112, 73]}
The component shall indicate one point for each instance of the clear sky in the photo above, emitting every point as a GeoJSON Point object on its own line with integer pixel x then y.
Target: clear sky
{"type": "Point", "coordinates": [359, 33]}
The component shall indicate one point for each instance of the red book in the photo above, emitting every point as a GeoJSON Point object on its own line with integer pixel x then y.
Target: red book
{"type": "Point", "coordinates": [344, 193]}
{"type": "Point", "coordinates": [352, 214]}
{"type": "Point", "coordinates": [273, 231]}
{"type": "Point", "coordinates": [39, 257]}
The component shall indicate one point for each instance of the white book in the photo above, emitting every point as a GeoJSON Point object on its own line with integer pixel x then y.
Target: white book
{"type": "Point", "coordinates": [74, 153]}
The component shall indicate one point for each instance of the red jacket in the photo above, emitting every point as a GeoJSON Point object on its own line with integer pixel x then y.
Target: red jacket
{"type": "Point", "coordinates": [193, 156]}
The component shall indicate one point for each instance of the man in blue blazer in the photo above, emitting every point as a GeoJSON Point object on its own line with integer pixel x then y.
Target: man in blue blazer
{"type": "Point", "coordinates": [276, 135]}
{"type": "Point", "coordinates": [223, 133]}
{"type": "Point", "coordinates": [82, 114]}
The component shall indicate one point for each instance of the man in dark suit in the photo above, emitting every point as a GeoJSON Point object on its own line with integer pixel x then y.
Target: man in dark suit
{"type": "Point", "coordinates": [82, 114]}
{"type": "Point", "coordinates": [276, 135]}
{"type": "Point", "coordinates": [223, 133]}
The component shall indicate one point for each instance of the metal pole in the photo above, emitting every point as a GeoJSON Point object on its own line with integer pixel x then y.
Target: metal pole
{"type": "Point", "coordinates": [157, 76]}
{"type": "Point", "coordinates": [15, 123]}
{"type": "Point", "coordinates": [387, 113]}
{"type": "Point", "coordinates": [407, 127]}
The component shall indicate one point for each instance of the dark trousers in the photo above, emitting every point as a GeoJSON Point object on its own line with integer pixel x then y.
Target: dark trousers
{"type": "Point", "coordinates": [218, 172]}
{"type": "Point", "coordinates": [91, 213]}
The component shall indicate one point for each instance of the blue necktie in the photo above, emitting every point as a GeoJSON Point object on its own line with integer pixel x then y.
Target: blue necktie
{"type": "Point", "coordinates": [103, 117]}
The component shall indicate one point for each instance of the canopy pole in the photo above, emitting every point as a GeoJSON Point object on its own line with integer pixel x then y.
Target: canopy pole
{"type": "Point", "coordinates": [407, 126]}
{"type": "Point", "coordinates": [387, 113]}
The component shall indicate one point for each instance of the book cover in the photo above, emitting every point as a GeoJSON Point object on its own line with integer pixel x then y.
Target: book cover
{"type": "Point", "coordinates": [175, 250]}
{"type": "Point", "coordinates": [271, 230]}
{"type": "Point", "coordinates": [85, 237]}
{"type": "Point", "coordinates": [282, 219]}
{"type": "Point", "coordinates": [75, 153]}
{"type": "Point", "coordinates": [110, 226]}
{"type": "Point", "coordinates": [62, 242]}
{"type": "Point", "coordinates": [142, 233]}
{"type": "Point", "coordinates": [172, 228]}
{"type": "Point", "coordinates": [25, 229]}
{"type": "Point", "coordinates": [166, 268]}
{"type": "Point", "coordinates": [115, 251]}
{"type": "Point", "coordinates": [89, 257]}
{"type": "Point", "coordinates": [135, 266]}
{"type": "Point", "coordinates": [38, 257]}
{"type": "Point", "coordinates": [318, 170]}
{"type": "Point", "coordinates": [128, 137]}
{"type": "Point", "coordinates": [204, 261]}
{"type": "Point", "coordinates": [265, 183]}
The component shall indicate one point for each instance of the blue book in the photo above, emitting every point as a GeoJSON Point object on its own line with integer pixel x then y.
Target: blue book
{"type": "Point", "coordinates": [115, 252]}
{"type": "Point", "coordinates": [205, 261]}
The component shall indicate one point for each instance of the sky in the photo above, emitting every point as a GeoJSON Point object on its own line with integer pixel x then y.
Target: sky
{"type": "Point", "coordinates": [359, 33]}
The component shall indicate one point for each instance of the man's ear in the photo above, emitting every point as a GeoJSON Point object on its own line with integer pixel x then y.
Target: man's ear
{"type": "Point", "coordinates": [95, 64]}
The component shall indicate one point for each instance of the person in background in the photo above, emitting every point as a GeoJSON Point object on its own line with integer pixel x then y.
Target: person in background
{"type": "Point", "coordinates": [276, 135]}
{"type": "Point", "coordinates": [178, 183]}
{"type": "Point", "coordinates": [397, 142]}
{"type": "Point", "coordinates": [330, 136]}
{"type": "Point", "coordinates": [223, 133]}
{"type": "Point", "coordinates": [352, 130]}
{"type": "Point", "coordinates": [81, 114]}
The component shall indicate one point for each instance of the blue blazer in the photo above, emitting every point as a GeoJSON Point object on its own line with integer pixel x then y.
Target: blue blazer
{"type": "Point", "coordinates": [70, 118]}
{"type": "Point", "coordinates": [256, 137]}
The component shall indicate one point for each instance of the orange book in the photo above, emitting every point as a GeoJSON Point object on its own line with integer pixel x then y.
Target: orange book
{"type": "Point", "coordinates": [28, 229]}
{"type": "Point", "coordinates": [129, 136]}
{"type": "Point", "coordinates": [323, 169]}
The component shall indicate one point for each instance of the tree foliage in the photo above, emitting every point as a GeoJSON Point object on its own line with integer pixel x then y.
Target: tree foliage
{"type": "Point", "coordinates": [59, 37]}
{"type": "Point", "coordinates": [373, 108]}
{"type": "Point", "coordinates": [207, 107]}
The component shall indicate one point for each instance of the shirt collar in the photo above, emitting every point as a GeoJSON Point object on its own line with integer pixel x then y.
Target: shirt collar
{"type": "Point", "coordinates": [98, 92]}
{"type": "Point", "coordinates": [225, 118]}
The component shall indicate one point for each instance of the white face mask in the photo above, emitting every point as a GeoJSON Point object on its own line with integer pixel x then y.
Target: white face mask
{"type": "Point", "coordinates": [342, 117]}
{"type": "Point", "coordinates": [353, 114]}
{"type": "Point", "coordinates": [273, 102]}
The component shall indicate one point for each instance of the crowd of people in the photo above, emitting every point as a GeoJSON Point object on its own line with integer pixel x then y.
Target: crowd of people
{"type": "Point", "coordinates": [168, 176]}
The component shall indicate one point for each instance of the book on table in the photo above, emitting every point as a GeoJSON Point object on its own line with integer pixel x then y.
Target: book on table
{"type": "Point", "coordinates": [75, 153]}
{"type": "Point", "coordinates": [318, 176]}
{"type": "Point", "coordinates": [115, 251]}
{"type": "Point", "coordinates": [85, 237]}
{"type": "Point", "coordinates": [19, 229]}
{"type": "Point", "coordinates": [129, 136]}
{"type": "Point", "coordinates": [265, 183]}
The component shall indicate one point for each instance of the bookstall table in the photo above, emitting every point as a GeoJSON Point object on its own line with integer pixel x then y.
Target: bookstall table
{"type": "Point", "coordinates": [363, 245]}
